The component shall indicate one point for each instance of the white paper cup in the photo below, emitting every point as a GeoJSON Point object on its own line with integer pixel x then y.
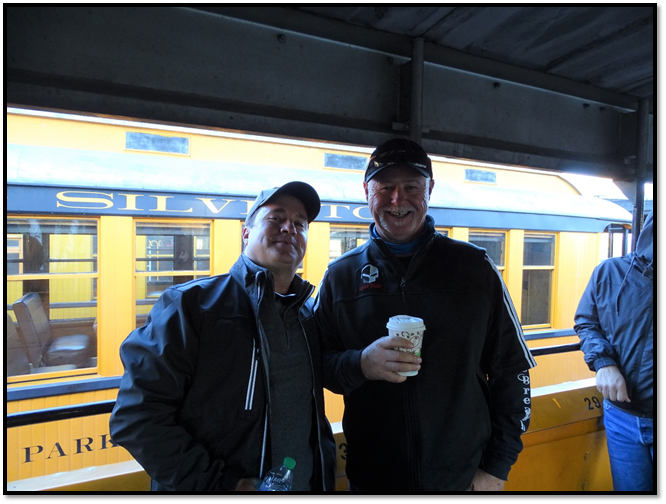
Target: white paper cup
{"type": "Point", "coordinates": [411, 328]}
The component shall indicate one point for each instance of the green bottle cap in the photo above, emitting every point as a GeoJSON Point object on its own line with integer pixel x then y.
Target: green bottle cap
{"type": "Point", "coordinates": [289, 463]}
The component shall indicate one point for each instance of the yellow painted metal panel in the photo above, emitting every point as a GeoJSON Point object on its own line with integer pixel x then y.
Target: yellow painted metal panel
{"type": "Point", "coordinates": [66, 445]}
{"type": "Point", "coordinates": [48, 132]}
{"type": "Point", "coordinates": [513, 273]}
{"type": "Point", "coordinates": [115, 291]}
{"type": "Point", "coordinates": [226, 245]}
{"type": "Point", "coordinates": [571, 464]}
{"type": "Point", "coordinates": [578, 255]}
{"type": "Point", "coordinates": [126, 476]}
{"type": "Point", "coordinates": [335, 406]}
{"type": "Point", "coordinates": [565, 446]}
{"type": "Point", "coordinates": [458, 233]}
{"type": "Point", "coordinates": [316, 258]}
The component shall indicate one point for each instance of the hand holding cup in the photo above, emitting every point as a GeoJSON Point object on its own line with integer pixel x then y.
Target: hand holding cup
{"type": "Point", "coordinates": [387, 357]}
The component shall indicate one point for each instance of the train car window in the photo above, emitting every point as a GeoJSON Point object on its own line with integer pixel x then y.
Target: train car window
{"type": "Point", "coordinates": [443, 231]}
{"type": "Point", "coordinates": [494, 243]}
{"type": "Point", "coordinates": [345, 161]}
{"type": "Point", "coordinates": [486, 177]}
{"type": "Point", "coordinates": [617, 240]}
{"type": "Point", "coordinates": [135, 140]}
{"type": "Point", "coordinates": [344, 239]}
{"type": "Point", "coordinates": [168, 253]}
{"type": "Point", "coordinates": [14, 254]}
{"type": "Point", "coordinates": [538, 267]}
{"type": "Point", "coordinates": [51, 300]}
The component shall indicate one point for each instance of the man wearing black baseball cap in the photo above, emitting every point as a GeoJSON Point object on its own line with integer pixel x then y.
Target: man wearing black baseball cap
{"type": "Point", "coordinates": [399, 151]}
{"type": "Point", "coordinates": [456, 425]}
{"type": "Point", "coordinates": [224, 381]}
{"type": "Point", "coordinates": [276, 230]}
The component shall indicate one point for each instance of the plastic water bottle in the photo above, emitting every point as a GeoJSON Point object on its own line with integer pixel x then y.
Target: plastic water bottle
{"type": "Point", "coordinates": [279, 479]}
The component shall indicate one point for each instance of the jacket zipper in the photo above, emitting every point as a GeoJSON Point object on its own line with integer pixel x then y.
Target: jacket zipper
{"type": "Point", "coordinates": [408, 395]}
{"type": "Point", "coordinates": [413, 454]}
{"type": "Point", "coordinates": [252, 380]}
{"type": "Point", "coordinates": [314, 398]}
{"type": "Point", "coordinates": [261, 351]}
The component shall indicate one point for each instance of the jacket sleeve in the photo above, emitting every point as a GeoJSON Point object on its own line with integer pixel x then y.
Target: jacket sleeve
{"type": "Point", "coordinates": [593, 341]}
{"type": "Point", "coordinates": [342, 373]}
{"type": "Point", "coordinates": [510, 415]}
{"type": "Point", "coordinates": [159, 361]}
{"type": "Point", "coordinates": [506, 361]}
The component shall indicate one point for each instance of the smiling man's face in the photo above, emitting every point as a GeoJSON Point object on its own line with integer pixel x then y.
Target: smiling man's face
{"type": "Point", "coordinates": [398, 199]}
{"type": "Point", "coordinates": [278, 237]}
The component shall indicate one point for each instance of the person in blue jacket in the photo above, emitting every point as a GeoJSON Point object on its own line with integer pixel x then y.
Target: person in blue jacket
{"type": "Point", "coordinates": [614, 323]}
{"type": "Point", "coordinates": [224, 380]}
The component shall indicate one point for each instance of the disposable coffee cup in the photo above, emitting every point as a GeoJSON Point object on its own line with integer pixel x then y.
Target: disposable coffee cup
{"type": "Point", "coordinates": [411, 328]}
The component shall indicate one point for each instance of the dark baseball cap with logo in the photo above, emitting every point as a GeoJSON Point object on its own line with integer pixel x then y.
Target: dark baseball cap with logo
{"type": "Point", "coordinates": [399, 152]}
{"type": "Point", "coordinates": [300, 190]}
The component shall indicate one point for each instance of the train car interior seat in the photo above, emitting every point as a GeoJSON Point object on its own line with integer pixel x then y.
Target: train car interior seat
{"type": "Point", "coordinates": [34, 325]}
{"type": "Point", "coordinates": [18, 358]}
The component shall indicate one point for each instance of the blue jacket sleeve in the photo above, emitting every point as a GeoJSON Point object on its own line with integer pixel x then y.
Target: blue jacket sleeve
{"type": "Point", "coordinates": [594, 344]}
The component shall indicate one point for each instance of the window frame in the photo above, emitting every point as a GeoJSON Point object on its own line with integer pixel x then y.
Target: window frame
{"type": "Point", "coordinates": [338, 227]}
{"type": "Point", "coordinates": [48, 276]}
{"type": "Point", "coordinates": [552, 268]}
{"type": "Point", "coordinates": [151, 299]}
{"type": "Point", "coordinates": [505, 242]}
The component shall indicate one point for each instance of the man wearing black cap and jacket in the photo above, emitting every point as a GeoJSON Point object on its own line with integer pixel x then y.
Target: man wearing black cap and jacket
{"type": "Point", "coordinates": [224, 379]}
{"type": "Point", "coordinates": [456, 425]}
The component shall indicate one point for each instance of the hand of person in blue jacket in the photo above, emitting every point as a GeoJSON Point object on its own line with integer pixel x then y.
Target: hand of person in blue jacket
{"type": "Point", "coordinates": [381, 360]}
{"type": "Point", "coordinates": [484, 482]}
{"type": "Point", "coordinates": [611, 384]}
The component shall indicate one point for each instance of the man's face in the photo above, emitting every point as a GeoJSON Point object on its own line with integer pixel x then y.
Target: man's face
{"type": "Point", "coordinates": [279, 236]}
{"type": "Point", "coordinates": [398, 200]}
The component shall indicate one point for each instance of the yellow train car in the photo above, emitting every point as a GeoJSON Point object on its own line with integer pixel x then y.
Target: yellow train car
{"type": "Point", "coordinates": [103, 215]}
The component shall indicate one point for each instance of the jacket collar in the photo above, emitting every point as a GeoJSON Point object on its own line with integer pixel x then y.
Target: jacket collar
{"type": "Point", "coordinates": [407, 248]}
{"type": "Point", "coordinates": [258, 280]}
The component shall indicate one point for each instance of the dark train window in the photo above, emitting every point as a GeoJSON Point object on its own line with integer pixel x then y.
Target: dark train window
{"type": "Point", "coordinates": [345, 161]}
{"type": "Point", "coordinates": [157, 143]}
{"type": "Point", "coordinates": [538, 267]}
{"type": "Point", "coordinates": [487, 177]}
{"type": "Point", "coordinates": [494, 243]}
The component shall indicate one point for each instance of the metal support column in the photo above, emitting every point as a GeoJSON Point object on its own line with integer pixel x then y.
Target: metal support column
{"type": "Point", "coordinates": [641, 162]}
{"type": "Point", "coordinates": [416, 108]}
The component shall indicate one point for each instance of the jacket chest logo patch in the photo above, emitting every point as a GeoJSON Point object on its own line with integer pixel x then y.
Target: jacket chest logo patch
{"type": "Point", "coordinates": [369, 278]}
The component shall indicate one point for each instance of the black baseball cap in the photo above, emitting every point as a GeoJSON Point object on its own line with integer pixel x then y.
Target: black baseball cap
{"type": "Point", "coordinates": [399, 151]}
{"type": "Point", "coordinates": [304, 192]}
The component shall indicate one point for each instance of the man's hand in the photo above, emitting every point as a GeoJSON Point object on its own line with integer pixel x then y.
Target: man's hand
{"type": "Point", "coordinates": [611, 384]}
{"type": "Point", "coordinates": [248, 485]}
{"type": "Point", "coordinates": [381, 360]}
{"type": "Point", "coordinates": [484, 482]}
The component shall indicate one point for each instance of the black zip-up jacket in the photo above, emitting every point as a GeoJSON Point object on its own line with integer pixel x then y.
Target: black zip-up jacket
{"type": "Point", "coordinates": [194, 402]}
{"type": "Point", "coordinates": [469, 403]}
{"type": "Point", "coordinates": [614, 321]}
